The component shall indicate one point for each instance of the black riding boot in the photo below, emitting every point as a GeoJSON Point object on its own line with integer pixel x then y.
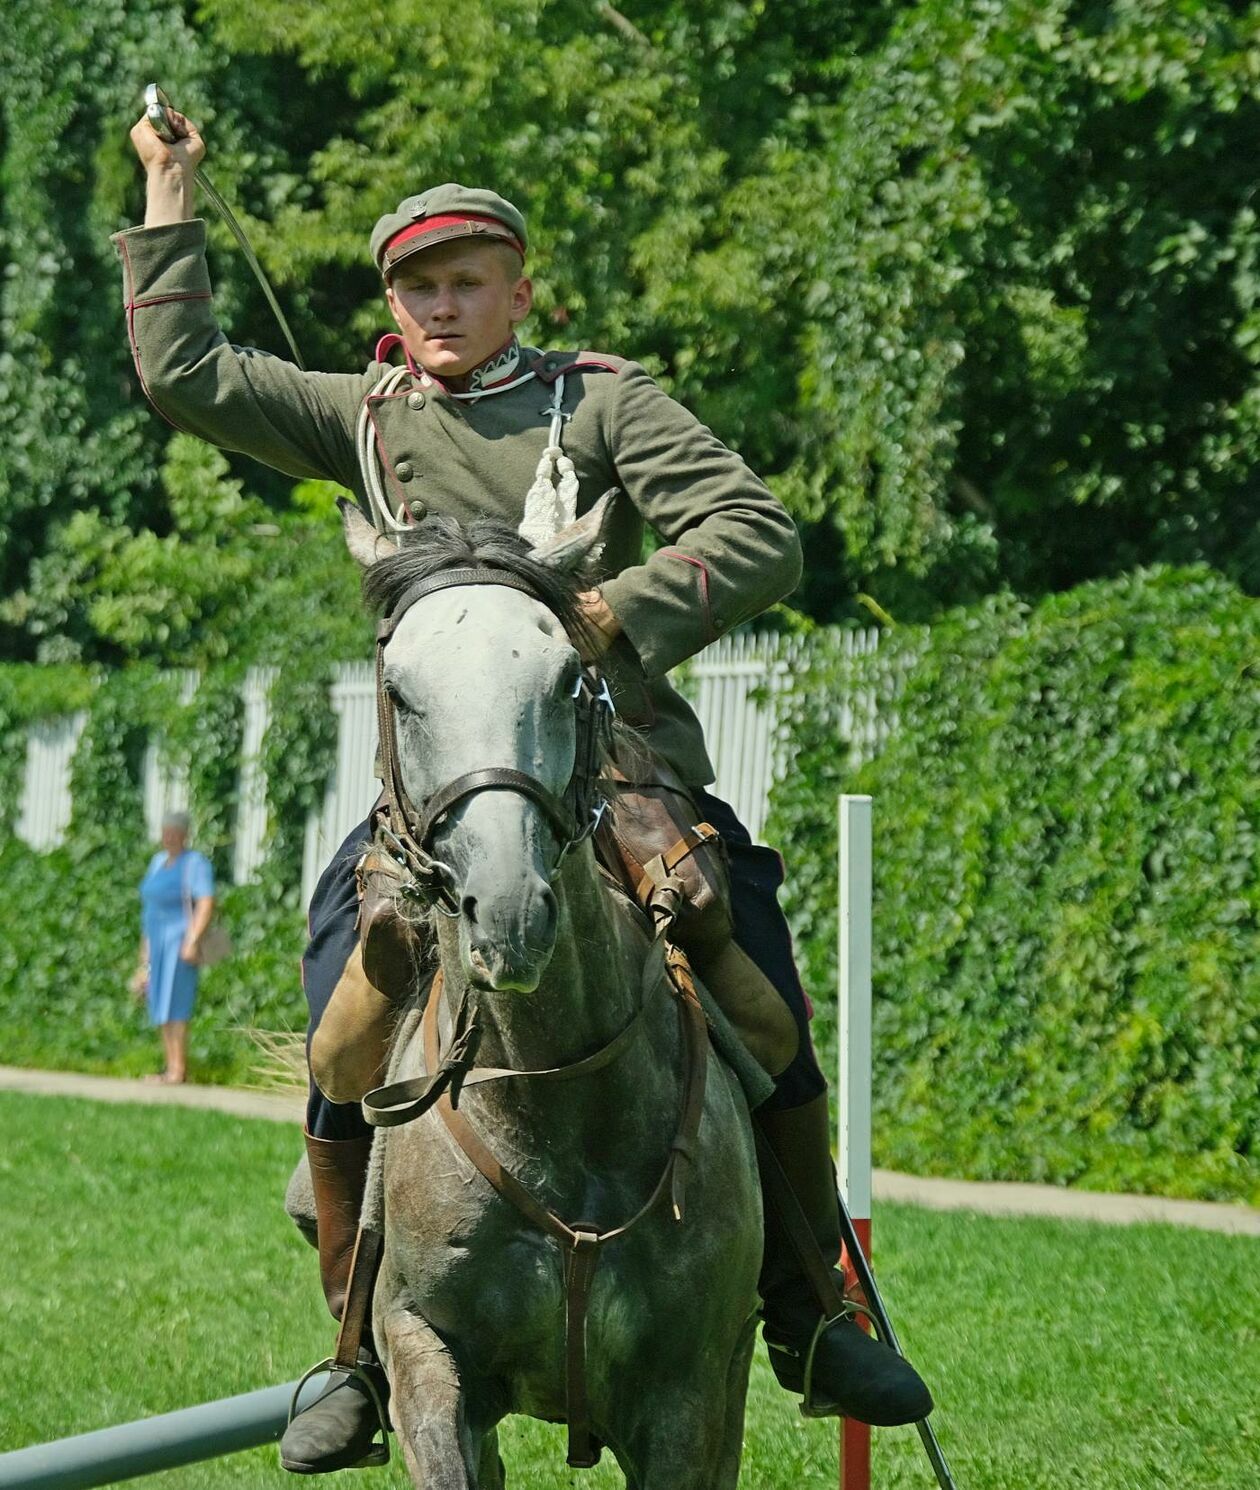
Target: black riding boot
{"type": "Point", "coordinates": [852, 1374]}
{"type": "Point", "coordinates": [337, 1431]}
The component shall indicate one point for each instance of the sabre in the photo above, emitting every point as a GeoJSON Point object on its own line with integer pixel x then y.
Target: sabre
{"type": "Point", "coordinates": [797, 1227]}
{"type": "Point", "coordinates": [157, 110]}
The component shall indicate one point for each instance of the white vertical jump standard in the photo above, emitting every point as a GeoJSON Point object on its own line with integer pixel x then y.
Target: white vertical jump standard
{"type": "Point", "coordinates": [854, 1148]}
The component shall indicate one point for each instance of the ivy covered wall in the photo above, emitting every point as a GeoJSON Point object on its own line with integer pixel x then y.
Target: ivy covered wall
{"type": "Point", "coordinates": [1067, 886]}
{"type": "Point", "coordinates": [71, 924]}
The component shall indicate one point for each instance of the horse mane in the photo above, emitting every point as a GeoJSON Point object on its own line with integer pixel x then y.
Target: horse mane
{"type": "Point", "coordinates": [440, 543]}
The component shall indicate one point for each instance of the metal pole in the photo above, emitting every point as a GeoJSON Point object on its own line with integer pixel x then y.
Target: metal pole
{"type": "Point", "coordinates": [164, 1442]}
{"type": "Point", "coordinates": [856, 942]}
{"type": "Point", "coordinates": [854, 1148]}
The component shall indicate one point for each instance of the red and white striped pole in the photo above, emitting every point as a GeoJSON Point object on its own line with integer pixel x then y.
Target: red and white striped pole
{"type": "Point", "coordinates": [854, 1148]}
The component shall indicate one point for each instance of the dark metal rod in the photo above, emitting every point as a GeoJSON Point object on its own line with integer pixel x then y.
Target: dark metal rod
{"type": "Point", "coordinates": [164, 1442]}
{"type": "Point", "coordinates": [884, 1325]}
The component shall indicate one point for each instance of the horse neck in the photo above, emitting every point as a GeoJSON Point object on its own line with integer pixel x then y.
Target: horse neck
{"type": "Point", "coordinates": [589, 992]}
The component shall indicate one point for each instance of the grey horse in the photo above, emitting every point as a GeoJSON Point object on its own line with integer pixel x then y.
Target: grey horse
{"type": "Point", "coordinates": [469, 1310]}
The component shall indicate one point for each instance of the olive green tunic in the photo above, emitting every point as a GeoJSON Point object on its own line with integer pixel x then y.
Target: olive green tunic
{"type": "Point", "coordinates": [730, 547]}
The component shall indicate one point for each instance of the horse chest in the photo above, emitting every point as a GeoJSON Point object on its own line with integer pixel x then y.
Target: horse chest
{"type": "Point", "coordinates": [484, 1275]}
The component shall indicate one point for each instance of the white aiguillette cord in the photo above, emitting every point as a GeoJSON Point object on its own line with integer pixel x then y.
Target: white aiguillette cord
{"type": "Point", "coordinates": [550, 503]}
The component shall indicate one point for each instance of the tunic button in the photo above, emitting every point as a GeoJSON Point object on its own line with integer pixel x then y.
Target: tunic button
{"type": "Point", "coordinates": [419, 510]}
{"type": "Point", "coordinates": [415, 400]}
{"type": "Point", "coordinates": [404, 470]}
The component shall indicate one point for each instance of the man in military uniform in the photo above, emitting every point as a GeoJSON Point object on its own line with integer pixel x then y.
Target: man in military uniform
{"type": "Point", "coordinates": [472, 423]}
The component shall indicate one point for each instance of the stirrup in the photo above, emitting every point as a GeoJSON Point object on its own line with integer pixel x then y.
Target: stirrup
{"type": "Point", "coordinates": [377, 1453]}
{"type": "Point", "coordinates": [809, 1408]}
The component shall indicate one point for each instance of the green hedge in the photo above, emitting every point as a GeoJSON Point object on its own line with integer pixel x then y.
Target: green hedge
{"type": "Point", "coordinates": [1067, 895]}
{"type": "Point", "coordinates": [1068, 973]}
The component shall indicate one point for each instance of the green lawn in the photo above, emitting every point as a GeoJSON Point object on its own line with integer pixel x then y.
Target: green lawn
{"type": "Point", "coordinates": [146, 1264]}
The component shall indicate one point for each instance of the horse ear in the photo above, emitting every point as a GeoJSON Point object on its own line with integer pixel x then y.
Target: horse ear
{"type": "Point", "coordinates": [362, 539]}
{"type": "Point", "coordinates": [581, 542]}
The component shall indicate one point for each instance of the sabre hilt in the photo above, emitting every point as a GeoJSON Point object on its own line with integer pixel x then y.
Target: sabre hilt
{"type": "Point", "coordinates": [158, 110]}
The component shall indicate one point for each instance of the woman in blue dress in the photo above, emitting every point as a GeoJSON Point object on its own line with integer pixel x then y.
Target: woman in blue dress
{"type": "Point", "coordinates": [177, 900]}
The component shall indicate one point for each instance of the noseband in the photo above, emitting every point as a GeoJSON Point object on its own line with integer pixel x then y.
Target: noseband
{"type": "Point", "coordinates": [572, 817]}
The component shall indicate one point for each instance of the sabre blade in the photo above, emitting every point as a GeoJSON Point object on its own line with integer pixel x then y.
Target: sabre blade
{"type": "Point", "coordinates": [158, 109]}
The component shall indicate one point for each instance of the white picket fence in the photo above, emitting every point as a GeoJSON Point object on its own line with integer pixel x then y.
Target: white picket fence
{"type": "Point", "coordinates": [733, 685]}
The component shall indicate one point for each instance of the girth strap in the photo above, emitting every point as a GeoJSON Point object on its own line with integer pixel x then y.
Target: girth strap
{"type": "Point", "coordinates": [582, 1243]}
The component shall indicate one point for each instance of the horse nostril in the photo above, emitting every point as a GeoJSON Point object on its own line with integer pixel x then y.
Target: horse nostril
{"type": "Point", "coordinates": [552, 907]}
{"type": "Point", "coordinates": [469, 907]}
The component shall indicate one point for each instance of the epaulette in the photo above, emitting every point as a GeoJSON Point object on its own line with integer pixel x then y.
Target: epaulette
{"type": "Point", "coordinates": [548, 366]}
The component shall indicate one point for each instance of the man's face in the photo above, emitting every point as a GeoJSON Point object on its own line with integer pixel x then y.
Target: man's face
{"type": "Point", "coordinates": [456, 304]}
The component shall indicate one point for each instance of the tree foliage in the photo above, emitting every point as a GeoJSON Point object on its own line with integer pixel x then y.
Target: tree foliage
{"type": "Point", "coordinates": [974, 284]}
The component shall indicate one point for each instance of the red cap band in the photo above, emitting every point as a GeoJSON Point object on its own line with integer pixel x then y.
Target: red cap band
{"type": "Point", "coordinates": [433, 224]}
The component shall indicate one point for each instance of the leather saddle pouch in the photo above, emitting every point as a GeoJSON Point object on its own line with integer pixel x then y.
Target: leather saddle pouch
{"type": "Point", "coordinates": [395, 949]}
{"type": "Point", "coordinates": [649, 837]}
{"type": "Point", "coordinates": [652, 817]}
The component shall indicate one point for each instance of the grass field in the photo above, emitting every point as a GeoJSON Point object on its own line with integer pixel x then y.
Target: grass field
{"type": "Point", "coordinates": [146, 1264]}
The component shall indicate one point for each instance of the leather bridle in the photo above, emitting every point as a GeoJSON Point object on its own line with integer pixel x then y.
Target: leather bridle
{"type": "Point", "coordinates": [409, 834]}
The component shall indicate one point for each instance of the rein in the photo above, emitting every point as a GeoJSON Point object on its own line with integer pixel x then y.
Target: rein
{"type": "Point", "coordinates": [411, 828]}
{"type": "Point", "coordinates": [582, 1242]}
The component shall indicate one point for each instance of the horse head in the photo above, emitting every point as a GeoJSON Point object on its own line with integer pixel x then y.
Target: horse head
{"type": "Point", "coordinates": [487, 704]}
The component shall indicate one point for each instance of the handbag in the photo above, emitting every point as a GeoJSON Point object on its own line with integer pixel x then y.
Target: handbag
{"type": "Point", "coordinates": [215, 944]}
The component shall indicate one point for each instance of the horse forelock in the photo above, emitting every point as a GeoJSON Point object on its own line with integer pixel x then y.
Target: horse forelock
{"type": "Point", "coordinates": [440, 543]}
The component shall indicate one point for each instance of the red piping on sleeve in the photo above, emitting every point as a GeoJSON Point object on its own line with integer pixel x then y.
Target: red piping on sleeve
{"type": "Point", "coordinates": [704, 587]}
{"type": "Point", "coordinates": [130, 307]}
{"type": "Point", "coordinates": [164, 300]}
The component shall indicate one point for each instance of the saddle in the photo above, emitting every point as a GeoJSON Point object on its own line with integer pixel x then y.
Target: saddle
{"type": "Point", "coordinates": [650, 845]}
{"type": "Point", "coordinates": [653, 843]}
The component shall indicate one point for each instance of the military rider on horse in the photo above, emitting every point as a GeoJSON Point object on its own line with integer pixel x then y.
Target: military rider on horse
{"type": "Point", "coordinates": [474, 423]}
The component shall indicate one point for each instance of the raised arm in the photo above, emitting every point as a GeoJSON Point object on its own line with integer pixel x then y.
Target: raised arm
{"type": "Point", "coordinates": [234, 397]}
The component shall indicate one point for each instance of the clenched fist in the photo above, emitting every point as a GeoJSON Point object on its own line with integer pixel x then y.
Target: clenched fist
{"type": "Point", "coordinates": [169, 169]}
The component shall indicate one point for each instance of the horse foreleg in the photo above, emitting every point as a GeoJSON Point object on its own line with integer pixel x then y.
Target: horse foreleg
{"type": "Point", "coordinates": [726, 1473]}
{"type": "Point", "coordinates": [428, 1408]}
{"type": "Point", "coordinates": [697, 1447]}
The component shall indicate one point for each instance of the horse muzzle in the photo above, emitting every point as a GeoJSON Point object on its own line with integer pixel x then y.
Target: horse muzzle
{"type": "Point", "coordinates": [506, 939]}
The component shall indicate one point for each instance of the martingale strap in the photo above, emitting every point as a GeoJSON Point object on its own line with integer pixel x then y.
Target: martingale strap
{"type": "Point", "coordinates": [404, 1101]}
{"type": "Point", "coordinates": [583, 1244]}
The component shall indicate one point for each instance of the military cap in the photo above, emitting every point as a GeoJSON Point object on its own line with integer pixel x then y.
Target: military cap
{"type": "Point", "coordinates": [441, 214]}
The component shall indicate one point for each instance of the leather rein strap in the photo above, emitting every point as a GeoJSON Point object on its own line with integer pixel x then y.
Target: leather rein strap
{"type": "Point", "coordinates": [582, 1243]}
{"type": "Point", "coordinates": [404, 1101]}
